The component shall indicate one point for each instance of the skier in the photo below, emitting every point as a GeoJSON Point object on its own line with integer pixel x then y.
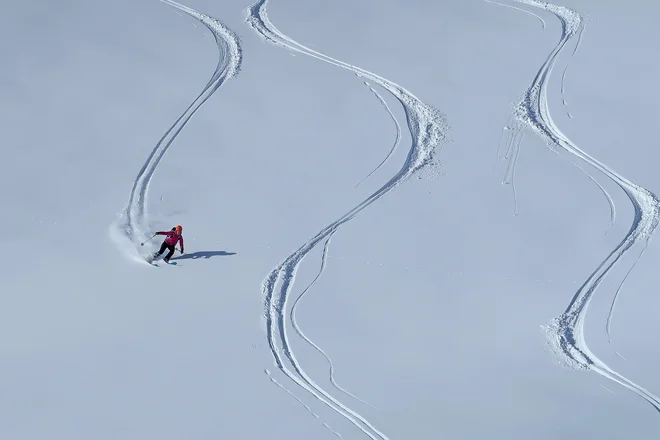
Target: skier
{"type": "Point", "coordinates": [173, 237]}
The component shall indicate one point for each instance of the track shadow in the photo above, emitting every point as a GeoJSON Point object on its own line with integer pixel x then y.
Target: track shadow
{"type": "Point", "coordinates": [202, 254]}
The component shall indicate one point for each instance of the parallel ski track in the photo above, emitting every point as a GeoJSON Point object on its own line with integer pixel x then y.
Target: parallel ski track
{"type": "Point", "coordinates": [428, 130]}
{"type": "Point", "coordinates": [566, 332]}
{"type": "Point", "coordinates": [134, 222]}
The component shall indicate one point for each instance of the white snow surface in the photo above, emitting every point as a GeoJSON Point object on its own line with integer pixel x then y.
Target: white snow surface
{"type": "Point", "coordinates": [402, 220]}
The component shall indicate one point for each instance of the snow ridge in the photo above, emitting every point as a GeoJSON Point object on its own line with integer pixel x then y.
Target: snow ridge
{"type": "Point", "coordinates": [133, 223]}
{"type": "Point", "coordinates": [428, 130]}
{"type": "Point", "coordinates": [566, 332]}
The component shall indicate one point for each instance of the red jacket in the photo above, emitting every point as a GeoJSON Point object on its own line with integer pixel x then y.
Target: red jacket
{"type": "Point", "coordinates": [172, 238]}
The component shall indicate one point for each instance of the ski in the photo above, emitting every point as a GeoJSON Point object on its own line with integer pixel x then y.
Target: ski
{"type": "Point", "coordinates": [172, 263]}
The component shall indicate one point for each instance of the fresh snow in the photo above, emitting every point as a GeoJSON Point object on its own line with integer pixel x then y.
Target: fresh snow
{"type": "Point", "coordinates": [401, 220]}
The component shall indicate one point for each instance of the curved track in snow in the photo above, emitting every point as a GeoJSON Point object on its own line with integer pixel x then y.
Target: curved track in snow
{"type": "Point", "coordinates": [134, 223]}
{"type": "Point", "coordinates": [296, 327]}
{"type": "Point", "coordinates": [396, 140]}
{"type": "Point", "coordinates": [428, 130]}
{"type": "Point", "coordinates": [566, 332]}
{"type": "Point", "coordinates": [515, 128]}
{"type": "Point", "coordinates": [538, 17]}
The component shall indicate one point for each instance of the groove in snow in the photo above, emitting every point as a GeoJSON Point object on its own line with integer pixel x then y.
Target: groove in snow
{"type": "Point", "coordinates": [309, 410]}
{"type": "Point", "coordinates": [515, 135]}
{"type": "Point", "coordinates": [428, 130]}
{"type": "Point", "coordinates": [563, 75]}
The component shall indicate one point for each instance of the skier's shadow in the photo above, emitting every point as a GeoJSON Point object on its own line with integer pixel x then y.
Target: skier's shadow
{"type": "Point", "coordinates": [202, 254]}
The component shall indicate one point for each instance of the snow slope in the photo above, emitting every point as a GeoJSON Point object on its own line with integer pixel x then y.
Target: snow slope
{"type": "Point", "coordinates": [402, 220]}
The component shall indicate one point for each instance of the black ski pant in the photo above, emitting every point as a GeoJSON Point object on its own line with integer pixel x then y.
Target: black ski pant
{"type": "Point", "coordinates": [164, 246]}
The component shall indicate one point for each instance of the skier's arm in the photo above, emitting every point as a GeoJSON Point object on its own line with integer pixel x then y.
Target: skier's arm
{"type": "Point", "coordinates": [181, 241]}
{"type": "Point", "coordinates": [161, 233]}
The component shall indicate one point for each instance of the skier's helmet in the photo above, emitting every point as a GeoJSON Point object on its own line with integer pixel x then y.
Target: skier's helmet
{"type": "Point", "coordinates": [179, 228]}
